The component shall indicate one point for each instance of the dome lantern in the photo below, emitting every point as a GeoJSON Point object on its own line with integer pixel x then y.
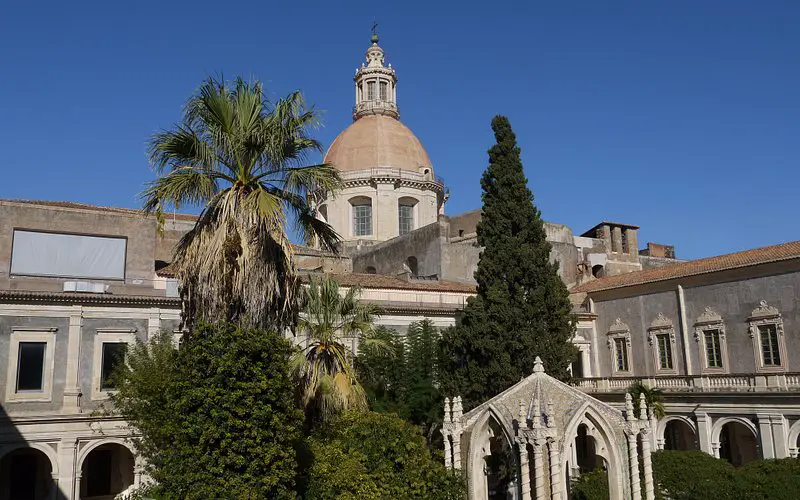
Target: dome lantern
{"type": "Point", "coordinates": [376, 84]}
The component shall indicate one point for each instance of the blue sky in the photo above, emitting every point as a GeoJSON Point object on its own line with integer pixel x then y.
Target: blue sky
{"type": "Point", "coordinates": [682, 117]}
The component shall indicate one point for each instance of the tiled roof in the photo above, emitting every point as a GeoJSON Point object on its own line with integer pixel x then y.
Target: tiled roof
{"type": "Point", "coordinates": [87, 298]}
{"type": "Point", "coordinates": [385, 281]}
{"type": "Point", "coordinates": [85, 206]}
{"type": "Point", "coordinates": [776, 253]}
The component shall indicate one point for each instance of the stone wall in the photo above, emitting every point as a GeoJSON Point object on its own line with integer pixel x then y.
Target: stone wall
{"type": "Point", "coordinates": [425, 244]}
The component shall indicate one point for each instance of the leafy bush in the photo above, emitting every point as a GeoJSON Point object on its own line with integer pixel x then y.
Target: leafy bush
{"type": "Point", "coordinates": [769, 480]}
{"type": "Point", "coordinates": [591, 486]}
{"type": "Point", "coordinates": [216, 418]}
{"type": "Point", "coordinates": [368, 455]}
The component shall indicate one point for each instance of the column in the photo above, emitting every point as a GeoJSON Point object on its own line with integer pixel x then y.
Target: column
{"type": "Point", "coordinates": [448, 458]}
{"type": "Point", "coordinates": [780, 436]}
{"type": "Point", "coordinates": [457, 450]}
{"type": "Point", "coordinates": [67, 466]}
{"type": "Point", "coordinates": [586, 360]}
{"type": "Point", "coordinates": [555, 470]}
{"type": "Point", "coordinates": [616, 239]}
{"type": "Point", "coordinates": [633, 242]}
{"type": "Point", "coordinates": [72, 389]}
{"type": "Point", "coordinates": [704, 434]}
{"type": "Point", "coordinates": [525, 470]}
{"type": "Point", "coordinates": [765, 436]}
{"type": "Point", "coordinates": [633, 460]}
{"type": "Point", "coordinates": [649, 493]}
{"type": "Point", "coordinates": [538, 468]}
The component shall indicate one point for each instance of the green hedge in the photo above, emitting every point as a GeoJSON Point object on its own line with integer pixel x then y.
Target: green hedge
{"type": "Point", "coordinates": [694, 475]}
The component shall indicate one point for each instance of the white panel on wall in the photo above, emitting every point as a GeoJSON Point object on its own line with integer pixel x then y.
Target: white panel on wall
{"type": "Point", "coordinates": [69, 255]}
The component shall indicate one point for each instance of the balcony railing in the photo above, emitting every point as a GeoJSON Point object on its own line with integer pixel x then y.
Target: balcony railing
{"type": "Point", "coordinates": [395, 173]}
{"type": "Point", "coordinates": [762, 382]}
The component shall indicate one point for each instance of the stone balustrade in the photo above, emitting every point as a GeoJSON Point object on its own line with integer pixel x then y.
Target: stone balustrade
{"type": "Point", "coordinates": [697, 383]}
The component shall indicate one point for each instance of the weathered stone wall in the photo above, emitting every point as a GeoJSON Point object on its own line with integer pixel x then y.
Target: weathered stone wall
{"type": "Point", "coordinates": [388, 257]}
{"type": "Point", "coordinates": [733, 300]}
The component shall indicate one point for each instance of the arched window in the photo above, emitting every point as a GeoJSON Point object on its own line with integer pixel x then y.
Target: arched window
{"type": "Point", "coordinates": [371, 270]}
{"type": "Point", "coordinates": [362, 216]}
{"type": "Point", "coordinates": [412, 265]}
{"type": "Point", "coordinates": [406, 207]}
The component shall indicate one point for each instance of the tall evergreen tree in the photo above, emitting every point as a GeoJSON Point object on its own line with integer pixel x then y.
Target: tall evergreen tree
{"type": "Point", "coordinates": [522, 307]}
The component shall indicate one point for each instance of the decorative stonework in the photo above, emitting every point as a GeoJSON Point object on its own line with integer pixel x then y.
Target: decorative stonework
{"type": "Point", "coordinates": [619, 330]}
{"type": "Point", "coordinates": [709, 320]}
{"type": "Point", "coordinates": [662, 325]}
{"type": "Point", "coordinates": [765, 316]}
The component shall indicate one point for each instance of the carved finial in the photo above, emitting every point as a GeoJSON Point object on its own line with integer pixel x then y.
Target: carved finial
{"type": "Point", "coordinates": [374, 37]}
{"type": "Point", "coordinates": [536, 418]}
{"type": "Point", "coordinates": [523, 418]}
{"type": "Point", "coordinates": [642, 407]}
{"type": "Point", "coordinates": [448, 416]}
{"type": "Point", "coordinates": [628, 406]}
{"type": "Point", "coordinates": [538, 366]}
{"type": "Point", "coordinates": [457, 408]}
{"type": "Point", "coordinates": [550, 420]}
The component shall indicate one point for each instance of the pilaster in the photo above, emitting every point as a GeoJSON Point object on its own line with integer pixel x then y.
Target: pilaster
{"type": "Point", "coordinates": [72, 388]}
{"type": "Point", "coordinates": [765, 437]}
{"type": "Point", "coordinates": [704, 433]}
{"type": "Point", "coordinates": [67, 466]}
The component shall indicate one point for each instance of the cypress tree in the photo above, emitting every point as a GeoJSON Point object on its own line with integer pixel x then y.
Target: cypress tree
{"type": "Point", "coordinates": [522, 308]}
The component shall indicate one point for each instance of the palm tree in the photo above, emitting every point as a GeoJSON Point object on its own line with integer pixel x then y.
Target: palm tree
{"type": "Point", "coordinates": [332, 322]}
{"type": "Point", "coordinates": [244, 161]}
{"type": "Point", "coordinates": [653, 397]}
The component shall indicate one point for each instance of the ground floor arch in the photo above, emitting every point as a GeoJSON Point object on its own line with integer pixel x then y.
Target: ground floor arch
{"type": "Point", "coordinates": [107, 469]}
{"type": "Point", "coordinates": [678, 433]}
{"type": "Point", "coordinates": [735, 440]}
{"type": "Point", "coordinates": [27, 473]}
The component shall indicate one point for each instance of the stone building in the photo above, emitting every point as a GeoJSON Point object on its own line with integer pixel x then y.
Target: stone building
{"type": "Point", "coordinates": [77, 284]}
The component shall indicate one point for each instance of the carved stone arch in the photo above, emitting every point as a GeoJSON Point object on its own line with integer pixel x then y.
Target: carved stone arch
{"type": "Point", "coordinates": [605, 440]}
{"type": "Point", "coordinates": [661, 426]}
{"type": "Point", "coordinates": [717, 427]}
{"type": "Point", "coordinates": [95, 444]}
{"type": "Point", "coordinates": [477, 440]}
{"type": "Point", "coordinates": [44, 448]}
{"type": "Point", "coordinates": [794, 434]}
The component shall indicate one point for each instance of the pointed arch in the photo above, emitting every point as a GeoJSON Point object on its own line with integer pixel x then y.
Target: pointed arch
{"type": "Point", "coordinates": [605, 444]}
{"type": "Point", "coordinates": [478, 440]}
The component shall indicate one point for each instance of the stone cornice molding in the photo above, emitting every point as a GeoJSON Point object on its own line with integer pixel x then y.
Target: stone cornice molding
{"type": "Point", "coordinates": [709, 320]}
{"type": "Point", "coordinates": [765, 314]}
{"type": "Point", "coordinates": [660, 325]}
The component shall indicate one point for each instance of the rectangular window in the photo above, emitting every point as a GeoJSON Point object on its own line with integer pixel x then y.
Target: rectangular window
{"type": "Point", "coordinates": [362, 220]}
{"type": "Point", "coordinates": [36, 253]}
{"type": "Point", "coordinates": [30, 366]}
{"type": "Point", "coordinates": [370, 91]}
{"type": "Point", "coordinates": [384, 91]}
{"type": "Point", "coordinates": [713, 348]}
{"type": "Point", "coordinates": [406, 216]}
{"type": "Point", "coordinates": [113, 357]}
{"type": "Point", "coordinates": [664, 351]}
{"type": "Point", "coordinates": [769, 345]}
{"type": "Point", "coordinates": [621, 346]}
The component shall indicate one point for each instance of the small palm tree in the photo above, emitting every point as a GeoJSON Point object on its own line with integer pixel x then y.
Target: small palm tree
{"type": "Point", "coordinates": [244, 161]}
{"type": "Point", "coordinates": [653, 397]}
{"type": "Point", "coordinates": [332, 322]}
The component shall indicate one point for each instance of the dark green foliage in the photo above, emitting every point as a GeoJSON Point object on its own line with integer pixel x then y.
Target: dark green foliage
{"type": "Point", "coordinates": [406, 381]}
{"type": "Point", "coordinates": [769, 480]}
{"type": "Point", "coordinates": [217, 417]}
{"type": "Point", "coordinates": [692, 475]}
{"type": "Point", "coordinates": [522, 307]}
{"type": "Point", "coordinates": [368, 455]}
{"type": "Point", "coordinates": [591, 486]}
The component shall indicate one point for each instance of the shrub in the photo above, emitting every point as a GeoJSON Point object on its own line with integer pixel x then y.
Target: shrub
{"type": "Point", "coordinates": [692, 475]}
{"type": "Point", "coordinates": [367, 455]}
{"type": "Point", "coordinates": [768, 480]}
{"type": "Point", "coordinates": [591, 486]}
{"type": "Point", "coordinates": [216, 418]}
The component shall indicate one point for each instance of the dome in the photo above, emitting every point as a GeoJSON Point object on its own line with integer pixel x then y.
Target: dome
{"type": "Point", "coordinates": [377, 141]}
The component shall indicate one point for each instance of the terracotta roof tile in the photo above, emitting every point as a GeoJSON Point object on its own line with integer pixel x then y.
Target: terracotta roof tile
{"type": "Point", "coordinates": [764, 255]}
{"type": "Point", "coordinates": [85, 206]}
{"type": "Point", "coordinates": [385, 281]}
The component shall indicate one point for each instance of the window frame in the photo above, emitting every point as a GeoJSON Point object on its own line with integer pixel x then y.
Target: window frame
{"type": "Point", "coordinates": [709, 321]}
{"type": "Point", "coordinates": [620, 331]}
{"type": "Point", "coordinates": [24, 334]}
{"type": "Point", "coordinates": [107, 336]}
{"type": "Point", "coordinates": [411, 208]}
{"type": "Point", "coordinates": [361, 201]}
{"type": "Point", "coordinates": [766, 315]}
{"type": "Point", "coordinates": [659, 327]}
